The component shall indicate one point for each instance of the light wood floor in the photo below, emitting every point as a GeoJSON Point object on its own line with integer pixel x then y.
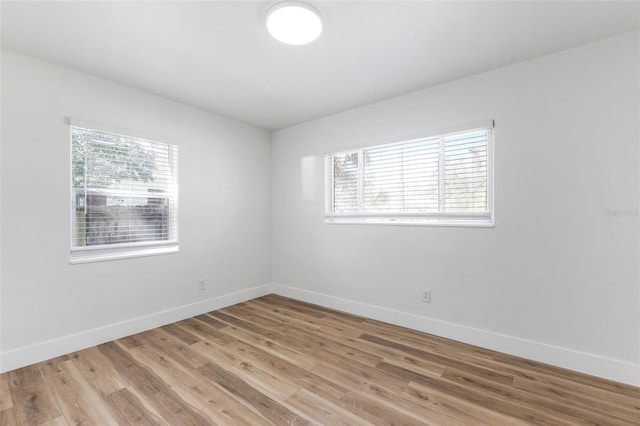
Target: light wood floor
{"type": "Point", "coordinates": [278, 361]}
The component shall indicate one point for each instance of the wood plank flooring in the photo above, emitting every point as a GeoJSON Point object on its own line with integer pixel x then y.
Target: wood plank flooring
{"type": "Point", "coordinates": [277, 361]}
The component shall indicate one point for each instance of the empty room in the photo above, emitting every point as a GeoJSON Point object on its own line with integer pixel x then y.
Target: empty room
{"type": "Point", "coordinates": [320, 213]}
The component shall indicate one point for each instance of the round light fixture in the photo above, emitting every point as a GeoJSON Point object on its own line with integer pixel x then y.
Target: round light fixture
{"type": "Point", "coordinates": [293, 22]}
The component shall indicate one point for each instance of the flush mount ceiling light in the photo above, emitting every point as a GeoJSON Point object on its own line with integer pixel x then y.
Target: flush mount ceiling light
{"type": "Point", "coordinates": [293, 22]}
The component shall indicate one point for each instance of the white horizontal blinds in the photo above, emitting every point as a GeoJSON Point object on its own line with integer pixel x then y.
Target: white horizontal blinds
{"type": "Point", "coordinates": [465, 171]}
{"type": "Point", "coordinates": [124, 189]}
{"type": "Point", "coordinates": [444, 178]}
{"type": "Point", "coordinates": [402, 178]}
{"type": "Point", "coordinates": [345, 182]}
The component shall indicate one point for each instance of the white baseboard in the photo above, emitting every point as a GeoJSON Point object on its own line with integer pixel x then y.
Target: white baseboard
{"type": "Point", "coordinates": [21, 357]}
{"type": "Point", "coordinates": [620, 371]}
{"type": "Point", "coordinates": [608, 368]}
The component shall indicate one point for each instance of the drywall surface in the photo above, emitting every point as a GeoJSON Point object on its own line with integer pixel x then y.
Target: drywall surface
{"type": "Point", "coordinates": [560, 268]}
{"type": "Point", "coordinates": [224, 217]}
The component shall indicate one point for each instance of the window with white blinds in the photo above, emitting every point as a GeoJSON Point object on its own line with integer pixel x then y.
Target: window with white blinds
{"type": "Point", "coordinates": [443, 179]}
{"type": "Point", "coordinates": [124, 195]}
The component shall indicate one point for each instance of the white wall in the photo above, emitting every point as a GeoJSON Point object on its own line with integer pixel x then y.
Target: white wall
{"type": "Point", "coordinates": [48, 306]}
{"type": "Point", "coordinates": [556, 280]}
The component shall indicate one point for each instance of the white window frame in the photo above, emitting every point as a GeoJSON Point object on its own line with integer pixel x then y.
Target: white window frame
{"type": "Point", "coordinates": [95, 253]}
{"type": "Point", "coordinates": [440, 218]}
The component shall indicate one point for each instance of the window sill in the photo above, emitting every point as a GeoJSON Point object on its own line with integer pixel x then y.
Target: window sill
{"type": "Point", "coordinates": [101, 255]}
{"type": "Point", "coordinates": [483, 222]}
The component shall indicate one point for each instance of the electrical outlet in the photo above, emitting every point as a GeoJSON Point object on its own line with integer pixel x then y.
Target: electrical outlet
{"type": "Point", "coordinates": [426, 296]}
{"type": "Point", "coordinates": [202, 285]}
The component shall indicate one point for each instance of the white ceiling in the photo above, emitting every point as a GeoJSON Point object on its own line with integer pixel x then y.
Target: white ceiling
{"type": "Point", "coordinates": [217, 55]}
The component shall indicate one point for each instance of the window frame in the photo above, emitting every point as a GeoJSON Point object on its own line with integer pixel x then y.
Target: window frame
{"type": "Point", "coordinates": [124, 250]}
{"type": "Point", "coordinates": [440, 218]}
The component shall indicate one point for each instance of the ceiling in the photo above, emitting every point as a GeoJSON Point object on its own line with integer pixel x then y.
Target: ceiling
{"type": "Point", "coordinates": [217, 55]}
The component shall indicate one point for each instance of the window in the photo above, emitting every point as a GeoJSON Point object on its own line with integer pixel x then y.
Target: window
{"type": "Point", "coordinates": [124, 195]}
{"type": "Point", "coordinates": [444, 179]}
